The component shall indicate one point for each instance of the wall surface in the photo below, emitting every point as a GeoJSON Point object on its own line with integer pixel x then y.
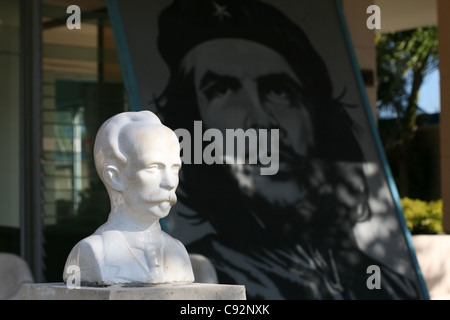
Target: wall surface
{"type": "Point", "coordinates": [363, 40]}
{"type": "Point", "coordinates": [444, 58]}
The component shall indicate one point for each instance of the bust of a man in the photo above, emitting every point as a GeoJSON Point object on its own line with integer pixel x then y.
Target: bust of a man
{"type": "Point", "coordinates": [138, 160]}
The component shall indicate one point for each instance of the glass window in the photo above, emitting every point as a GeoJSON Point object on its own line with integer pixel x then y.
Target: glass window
{"type": "Point", "coordinates": [82, 87]}
{"type": "Point", "coordinates": [9, 126]}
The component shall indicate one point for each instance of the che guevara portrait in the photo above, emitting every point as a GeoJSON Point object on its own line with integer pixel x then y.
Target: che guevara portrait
{"type": "Point", "coordinates": [279, 72]}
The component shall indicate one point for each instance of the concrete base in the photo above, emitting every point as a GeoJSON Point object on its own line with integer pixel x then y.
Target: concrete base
{"type": "Point", "coordinates": [194, 291]}
{"type": "Point", "coordinates": [433, 256]}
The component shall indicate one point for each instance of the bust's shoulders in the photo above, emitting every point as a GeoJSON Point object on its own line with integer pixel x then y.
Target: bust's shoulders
{"type": "Point", "coordinates": [170, 243]}
{"type": "Point", "coordinates": [91, 246]}
{"type": "Point", "coordinates": [86, 247]}
{"type": "Point", "coordinates": [91, 253]}
{"type": "Point", "coordinates": [179, 269]}
{"type": "Point", "coordinates": [84, 256]}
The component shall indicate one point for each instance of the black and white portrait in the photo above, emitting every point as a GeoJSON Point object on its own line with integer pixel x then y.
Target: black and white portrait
{"type": "Point", "coordinates": [323, 215]}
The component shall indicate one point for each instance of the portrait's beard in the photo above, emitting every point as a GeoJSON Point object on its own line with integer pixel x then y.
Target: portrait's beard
{"type": "Point", "coordinates": [256, 213]}
{"type": "Point", "coordinates": [283, 189]}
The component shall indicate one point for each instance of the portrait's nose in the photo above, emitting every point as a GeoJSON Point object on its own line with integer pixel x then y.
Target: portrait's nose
{"type": "Point", "coordinates": [256, 116]}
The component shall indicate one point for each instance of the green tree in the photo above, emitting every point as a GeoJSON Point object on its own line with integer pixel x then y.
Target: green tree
{"type": "Point", "coordinates": [403, 60]}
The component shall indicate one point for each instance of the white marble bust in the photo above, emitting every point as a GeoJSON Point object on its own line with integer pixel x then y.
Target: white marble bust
{"type": "Point", "coordinates": [138, 160]}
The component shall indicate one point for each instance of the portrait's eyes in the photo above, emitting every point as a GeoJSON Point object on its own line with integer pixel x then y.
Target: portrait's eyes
{"type": "Point", "coordinates": [218, 91]}
{"type": "Point", "coordinates": [279, 90]}
{"type": "Point", "coordinates": [220, 87]}
{"type": "Point", "coordinates": [279, 94]}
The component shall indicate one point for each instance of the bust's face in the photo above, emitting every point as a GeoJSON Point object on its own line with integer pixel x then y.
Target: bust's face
{"type": "Point", "coordinates": [150, 177]}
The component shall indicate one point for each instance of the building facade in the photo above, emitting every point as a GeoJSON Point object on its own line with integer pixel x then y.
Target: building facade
{"type": "Point", "coordinates": [57, 86]}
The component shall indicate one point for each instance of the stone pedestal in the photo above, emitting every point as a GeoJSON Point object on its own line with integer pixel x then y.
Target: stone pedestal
{"type": "Point", "coordinates": [194, 291]}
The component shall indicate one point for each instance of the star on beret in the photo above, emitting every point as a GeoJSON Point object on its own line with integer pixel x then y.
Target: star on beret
{"type": "Point", "coordinates": [221, 11]}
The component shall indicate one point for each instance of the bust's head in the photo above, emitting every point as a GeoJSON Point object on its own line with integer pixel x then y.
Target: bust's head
{"type": "Point", "coordinates": [138, 160]}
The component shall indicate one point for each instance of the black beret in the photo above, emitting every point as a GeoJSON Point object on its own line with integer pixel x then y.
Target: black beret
{"type": "Point", "coordinates": [186, 23]}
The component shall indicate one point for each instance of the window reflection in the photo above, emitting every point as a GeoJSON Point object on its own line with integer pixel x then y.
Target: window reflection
{"type": "Point", "coordinates": [82, 87]}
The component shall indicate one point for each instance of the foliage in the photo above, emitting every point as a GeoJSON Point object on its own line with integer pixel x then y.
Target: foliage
{"type": "Point", "coordinates": [403, 60]}
{"type": "Point", "coordinates": [423, 217]}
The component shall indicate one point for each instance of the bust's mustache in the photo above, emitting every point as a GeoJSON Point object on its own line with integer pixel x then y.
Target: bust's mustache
{"type": "Point", "coordinates": [169, 197]}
